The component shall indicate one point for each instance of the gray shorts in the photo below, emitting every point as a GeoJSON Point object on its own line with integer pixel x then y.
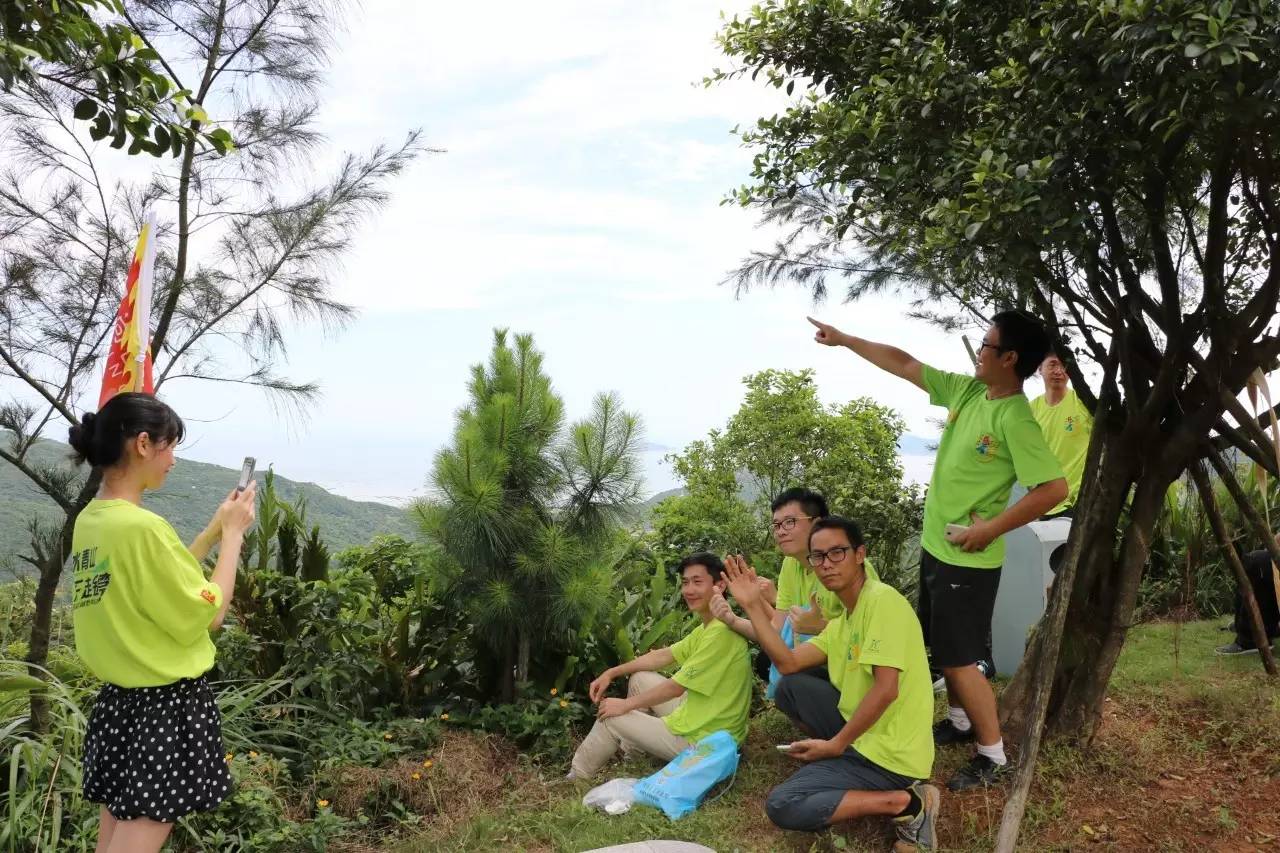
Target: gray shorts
{"type": "Point", "coordinates": [807, 800]}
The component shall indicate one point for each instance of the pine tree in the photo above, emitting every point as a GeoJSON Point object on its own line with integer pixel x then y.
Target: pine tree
{"type": "Point", "coordinates": [525, 513]}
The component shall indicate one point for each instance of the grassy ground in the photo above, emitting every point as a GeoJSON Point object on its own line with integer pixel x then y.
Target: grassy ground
{"type": "Point", "coordinates": [1188, 758]}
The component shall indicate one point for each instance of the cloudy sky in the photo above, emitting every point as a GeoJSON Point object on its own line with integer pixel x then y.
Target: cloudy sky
{"type": "Point", "coordinates": [578, 198]}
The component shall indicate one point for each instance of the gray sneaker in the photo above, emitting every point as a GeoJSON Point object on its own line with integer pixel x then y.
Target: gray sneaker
{"type": "Point", "coordinates": [1231, 649]}
{"type": "Point", "coordinates": [919, 832]}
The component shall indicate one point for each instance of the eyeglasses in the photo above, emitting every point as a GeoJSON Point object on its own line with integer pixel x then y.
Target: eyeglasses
{"type": "Point", "coordinates": [996, 347]}
{"type": "Point", "coordinates": [789, 523]}
{"type": "Point", "coordinates": [834, 555]}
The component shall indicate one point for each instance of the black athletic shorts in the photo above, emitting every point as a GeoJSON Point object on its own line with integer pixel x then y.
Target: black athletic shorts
{"type": "Point", "coordinates": [955, 609]}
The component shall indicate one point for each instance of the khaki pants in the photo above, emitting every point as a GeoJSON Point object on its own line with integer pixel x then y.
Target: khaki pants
{"type": "Point", "coordinates": [632, 730]}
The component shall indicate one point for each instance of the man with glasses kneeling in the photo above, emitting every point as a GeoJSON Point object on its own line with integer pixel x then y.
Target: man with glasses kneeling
{"type": "Point", "coordinates": [871, 744]}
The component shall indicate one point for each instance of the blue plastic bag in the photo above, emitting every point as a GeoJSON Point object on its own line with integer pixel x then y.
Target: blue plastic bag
{"type": "Point", "coordinates": [679, 787]}
{"type": "Point", "coordinates": [789, 637]}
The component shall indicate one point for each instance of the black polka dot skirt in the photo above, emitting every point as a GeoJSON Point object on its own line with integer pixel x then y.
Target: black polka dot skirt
{"type": "Point", "coordinates": [156, 752]}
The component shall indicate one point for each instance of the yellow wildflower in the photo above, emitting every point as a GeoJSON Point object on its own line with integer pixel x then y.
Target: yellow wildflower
{"type": "Point", "coordinates": [444, 717]}
{"type": "Point", "coordinates": [387, 736]}
{"type": "Point", "coordinates": [553, 691]}
{"type": "Point", "coordinates": [230, 755]}
{"type": "Point", "coordinates": [324, 804]}
{"type": "Point", "coordinates": [416, 776]}
{"type": "Point", "coordinates": [253, 754]}
{"type": "Point", "coordinates": [427, 764]}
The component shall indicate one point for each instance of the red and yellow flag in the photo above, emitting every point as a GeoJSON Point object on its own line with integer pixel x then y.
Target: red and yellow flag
{"type": "Point", "coordinates": [129, 359]}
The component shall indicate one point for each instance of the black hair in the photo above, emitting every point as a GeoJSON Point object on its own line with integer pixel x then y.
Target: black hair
{"type": "Point", "coordinates": [837, 522]}
{"type": "Point", "coordinates": [707, 560]}
{"type": "Point", "coordinates": [99, 438]}
{"type": "Point", "coordinates": [1024, 334]}
{"type": "Point", "coordinates": [810, 501]}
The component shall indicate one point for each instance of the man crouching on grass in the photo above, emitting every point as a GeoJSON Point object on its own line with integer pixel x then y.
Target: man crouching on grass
{"type": "Point", "coordinates": [869, 719]}
{"type": "Point", "coordinates": [662, 716]}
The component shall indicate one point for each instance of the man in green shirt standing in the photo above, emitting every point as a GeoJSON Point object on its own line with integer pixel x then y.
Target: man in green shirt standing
{"type": "Point", "coordinates": [710, 691]}
{"type": "Point", "coordinates": [991, 439]}
{"type": "Point", "coordinates": [1067, 427]}
{"type": "Point", "coordinates": [869, 750]}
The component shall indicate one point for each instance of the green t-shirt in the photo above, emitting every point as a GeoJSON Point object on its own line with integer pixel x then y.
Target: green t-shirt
{"type": "Point", "coordinates": [883, 630]}
{"type": "Point", "coordinates": [986, 445]}
{"type": "Point", "coordinates": [1067, 428]}
{"type": "Point", "coordinates": [142, 606]}
{"type": "Point", "coordinates": [797, 582]}
{"type": "Point", "coordinates": [715, 670]}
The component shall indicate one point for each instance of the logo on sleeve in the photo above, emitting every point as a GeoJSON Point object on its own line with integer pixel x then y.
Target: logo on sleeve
{"type": "Point", "coordinates": [208, 596]}
{"type": "Point", "coordinates": [987, 447]}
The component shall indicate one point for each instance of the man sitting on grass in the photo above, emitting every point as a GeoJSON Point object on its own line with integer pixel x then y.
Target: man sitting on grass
{"type": "Point", "coordinates": [662, 716]}
{"type": "Point", "coordinates": [869, 719]}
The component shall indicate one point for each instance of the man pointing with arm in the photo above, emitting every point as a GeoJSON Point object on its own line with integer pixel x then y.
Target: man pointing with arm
{"type": "Point", "coordinates": [991, 439]}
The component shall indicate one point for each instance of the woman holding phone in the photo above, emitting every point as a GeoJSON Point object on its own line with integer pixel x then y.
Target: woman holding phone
{"type": "Point", "coordinates": [143, 611]}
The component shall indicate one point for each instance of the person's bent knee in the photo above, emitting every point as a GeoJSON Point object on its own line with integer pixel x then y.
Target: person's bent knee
{"type": "Point", "coordinates": [791, 812]}
{"type": "Point", "coordinates": [790, 688]}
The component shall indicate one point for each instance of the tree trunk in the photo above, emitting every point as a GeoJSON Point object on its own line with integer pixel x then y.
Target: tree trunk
{"type": "Point", "coordinates": [507, 681]}
{"type": "Point", "coordinates": [1104, 596]}
{"type": "Point", "coordinates": [522, 659]}
{"type": "Point", "coordinates": [1223, 535]}
{"type": "Point", "coordinates": [46, 591]}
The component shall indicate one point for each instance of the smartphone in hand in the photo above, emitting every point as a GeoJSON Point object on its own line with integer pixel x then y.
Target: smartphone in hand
{"type": "Point", "coordinates": [246, 473]}
{"type": "Point", "coordinates": [954, 530]}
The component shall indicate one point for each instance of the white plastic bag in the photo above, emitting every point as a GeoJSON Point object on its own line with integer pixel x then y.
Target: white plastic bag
{"type": "Point", "coordinates": [613, 797]}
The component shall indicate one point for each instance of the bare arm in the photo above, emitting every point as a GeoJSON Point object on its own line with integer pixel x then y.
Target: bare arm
{"type": "Point", "coordinates": [224, 573]}
{"type": "Point", "coordinates": [648, 662]}
{"type": "Point", "coordinates": [236, 515]}
{"type": "Point", "coordinates": [205, 540]}
{"type": "Point", "coordinates": [888, 358]}
{"type": "Point", "coordinates": [742, 583]}
{"type": "Point", "coordinates": [1033, 504]}
{"type": "Point", "coordinates": [883, 693]}
{"type": "Point", "coordinates": [664, 692]}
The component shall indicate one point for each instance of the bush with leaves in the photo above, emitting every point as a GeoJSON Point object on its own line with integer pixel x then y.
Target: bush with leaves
{"type": "Point", "coordinates": [783, 435]}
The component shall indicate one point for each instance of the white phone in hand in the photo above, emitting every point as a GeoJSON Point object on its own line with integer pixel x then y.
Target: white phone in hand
{"type": "Point", "coordinates": [783, 747]}
{"type": "Point", "coordinates": [954, 530]}
{"type": "Point", "coordinates": [246, 473]}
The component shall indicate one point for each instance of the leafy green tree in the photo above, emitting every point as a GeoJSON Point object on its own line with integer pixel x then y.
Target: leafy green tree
{"type": "Point", "coordinates": [525, 513]}
{"type": "Point", "coordinates": [110, 70]}
{"type": "Point", "coordinates": [784, 436]}
{"type": "Point", "coordinates": [245, 245]}
{"type": "Point", "coordinates": [1109, 165]}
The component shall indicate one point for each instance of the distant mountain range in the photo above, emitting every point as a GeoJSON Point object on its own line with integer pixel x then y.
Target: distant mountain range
{"type": "Point", "coordinates": [188, 499]}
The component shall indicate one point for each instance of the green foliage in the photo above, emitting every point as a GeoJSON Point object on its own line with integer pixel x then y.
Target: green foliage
{"type": "Point", "coordinates": [111, 70]}
{"type": "Point", "coordinates": [966, 138]}
{"type": "Point", "coordinates": [543, 726]}
{"type": "Point", "coordinates": [1188, 573]}
{"type": "Point", "coordinates": [525, 515]}
{"type": "Point", "coordinates": [784, 436]}
{"type": "Point", "coordinates": [647, 613]}
{"type": "Point", "coordinates": [369, 635]}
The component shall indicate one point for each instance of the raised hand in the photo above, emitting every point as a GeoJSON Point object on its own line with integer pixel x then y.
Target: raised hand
{"type": "Point", "coordinates": [827, 335]}
{"type": "Point", "coordinates": [808, 621]}
{"type": "Point", "coordinates": [769, 591]}
{"type": "Point", "coordinates": [236, 514]}
{"type": "Point", "coordinates": [744, 584]}
{"type": "Point", "coordinates": [721, 610]}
